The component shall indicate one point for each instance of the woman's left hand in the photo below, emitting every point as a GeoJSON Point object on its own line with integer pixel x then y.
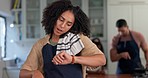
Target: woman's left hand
{"type": "Point", "coordinates": [62, 58]}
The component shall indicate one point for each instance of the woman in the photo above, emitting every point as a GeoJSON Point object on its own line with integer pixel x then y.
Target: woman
{"type": "Point", "coordinates": [65, 48]}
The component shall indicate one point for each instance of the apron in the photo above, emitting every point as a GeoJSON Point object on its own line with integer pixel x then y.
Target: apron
{"type": "Point", "coordinates": [58, 71]}
{"type": "Point", "coordinates": [128, 66]}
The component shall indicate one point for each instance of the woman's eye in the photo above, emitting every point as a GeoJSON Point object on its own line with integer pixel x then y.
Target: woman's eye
{"type": "Point", "coordinates": [61, 19]}
{"type": "Point", "coordinates": [68, 24]}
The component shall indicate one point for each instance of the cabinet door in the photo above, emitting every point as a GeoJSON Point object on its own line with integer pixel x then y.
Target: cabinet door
{"type": "Point", "coordinates": [13, 73]}
{"type": "Point", "coordinates": [32, 19]}
{"type": "Point", "coordinates": [140, 19]}
{"type": "Point", "coordinates": [74, 2]}
{"type": "Point", "coordinates": [118, 12]}
{"type": "Point", "coordinates": [112, 2]}
{"type": "Point", "coordinates": [97, 18]}
{"type": "Point", "coordinates": [140, 23]}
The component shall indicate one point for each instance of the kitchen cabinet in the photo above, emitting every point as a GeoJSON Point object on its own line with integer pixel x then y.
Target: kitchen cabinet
{"type": "Point", "coordinates": [11, 72]}
{"type": "Point", "coordinates": [17, 16]}
{"type": "Point", "coordinates": [27, 19]}
{"type": "Point", "coordinates": [127, 1]}
{"type": "Point", "coordinates": [32, 24]}
{"type": "Point", "coordinates": [32, 21]}
{"type": "Point", "coordinates": [30, 16]}
{"type": "Point", "coordinates": [97, 16]}
{"type": "Point", "coordinates": [96, 11]}
{"type": "Point", "coordinates": [140, 17]}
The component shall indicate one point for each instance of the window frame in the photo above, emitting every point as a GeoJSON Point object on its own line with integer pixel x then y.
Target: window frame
{"type": "Point", "coordinates": [4, 54]}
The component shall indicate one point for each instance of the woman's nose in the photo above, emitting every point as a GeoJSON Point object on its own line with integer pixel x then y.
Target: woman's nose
{"type": "Point", "coordinates": [63, 24]}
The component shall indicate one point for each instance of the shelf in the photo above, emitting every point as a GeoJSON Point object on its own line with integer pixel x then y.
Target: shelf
{"type": "Point", "coordinates": [93, 3]}
{"type": "Point", "coordinates": [32, 9]}
{"type": "Point", "coordinates": [96, 14]}
{"type": "Point", "coordinates": [94, 25]}
{"type": "Point", "coordinates": [96, 21]}
{"type": "Point", "coordinates": [96, 8]}
{"type": "Point", "coordinates": [15, 10]}
{"type": "Point", "coordinates": [32, 20]}
{"type": "Point", "coordinates": [32, 25]}
{"type": "Point", "coordinates": [27, 41]}
{"type": "Point", "coordinates": [18, 25]}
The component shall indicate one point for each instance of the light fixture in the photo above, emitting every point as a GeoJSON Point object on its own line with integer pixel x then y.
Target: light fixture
{"type": "Point", "coordinates": [11, 25]}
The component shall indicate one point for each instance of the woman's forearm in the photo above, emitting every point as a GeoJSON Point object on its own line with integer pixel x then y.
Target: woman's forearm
{"type": "Point", "coordinates": [25, 74]}
{"type": "Point", "coordinates": [95, 60]}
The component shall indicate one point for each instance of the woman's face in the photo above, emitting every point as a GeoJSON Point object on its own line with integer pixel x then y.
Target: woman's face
{"type": "Point", "coordinates": [64, 23]}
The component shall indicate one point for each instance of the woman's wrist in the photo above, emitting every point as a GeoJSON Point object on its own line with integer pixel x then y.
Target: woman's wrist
{"type": "Point", "coordinates": [73, 59]}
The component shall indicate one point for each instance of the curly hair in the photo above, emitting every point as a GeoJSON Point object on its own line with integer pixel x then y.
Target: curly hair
{"type": "Point", "coordinates": [52, 12]}
{"type": "Point", "coordinates": [98, 43]}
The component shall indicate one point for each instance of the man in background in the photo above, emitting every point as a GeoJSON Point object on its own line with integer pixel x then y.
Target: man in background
{"type": "Point", "coordinates": [126, 49]}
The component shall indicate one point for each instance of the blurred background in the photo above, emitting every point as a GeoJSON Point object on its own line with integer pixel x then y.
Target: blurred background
{"type": "Point", "coordinates": [20, 27]}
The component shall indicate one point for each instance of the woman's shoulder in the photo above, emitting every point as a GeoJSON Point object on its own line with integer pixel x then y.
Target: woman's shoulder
{"type": "Point", "coordinates": [42, 41]}
{"type": "Point", "coordinates": [84, 37]}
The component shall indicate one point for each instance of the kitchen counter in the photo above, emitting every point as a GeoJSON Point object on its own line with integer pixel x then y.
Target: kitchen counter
{"type": "Point", "coordinates": [109, 76]}
{"type": "Point", "coordinates": [13, 68]}
{"type": "Point", "coordinates": [11, 72]}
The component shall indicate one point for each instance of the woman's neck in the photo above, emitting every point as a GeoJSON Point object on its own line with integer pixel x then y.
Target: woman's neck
{"type": "Point", "coordinates": [55, 38]}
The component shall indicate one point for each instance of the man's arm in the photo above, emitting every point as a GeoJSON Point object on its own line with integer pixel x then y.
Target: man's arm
{"type": "Point", "coordinates": [117, 56]}
{"type": "Point", "coordinates": [146, 57]}
{"type": "Point", "coordinates": [145, 50]}
{"type": "Point", "coordinates": [144, 46]}
{"type": "Point", "coordinates": [114, 55]}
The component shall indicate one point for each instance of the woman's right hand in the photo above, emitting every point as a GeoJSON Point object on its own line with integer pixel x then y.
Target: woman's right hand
{"type": "Point", "coordinates": [62, 58]}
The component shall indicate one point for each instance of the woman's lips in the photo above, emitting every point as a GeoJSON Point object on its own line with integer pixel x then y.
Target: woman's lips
{"type": "Point", "coordinates": [59, 30]}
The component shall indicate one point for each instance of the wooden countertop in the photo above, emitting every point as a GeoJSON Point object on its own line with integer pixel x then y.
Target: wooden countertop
{"type": "Point", "coordinates": [109, 76]}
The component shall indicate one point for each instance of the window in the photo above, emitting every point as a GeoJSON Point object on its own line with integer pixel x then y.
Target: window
{"type": "Point", "coordinates": [2, 36]}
